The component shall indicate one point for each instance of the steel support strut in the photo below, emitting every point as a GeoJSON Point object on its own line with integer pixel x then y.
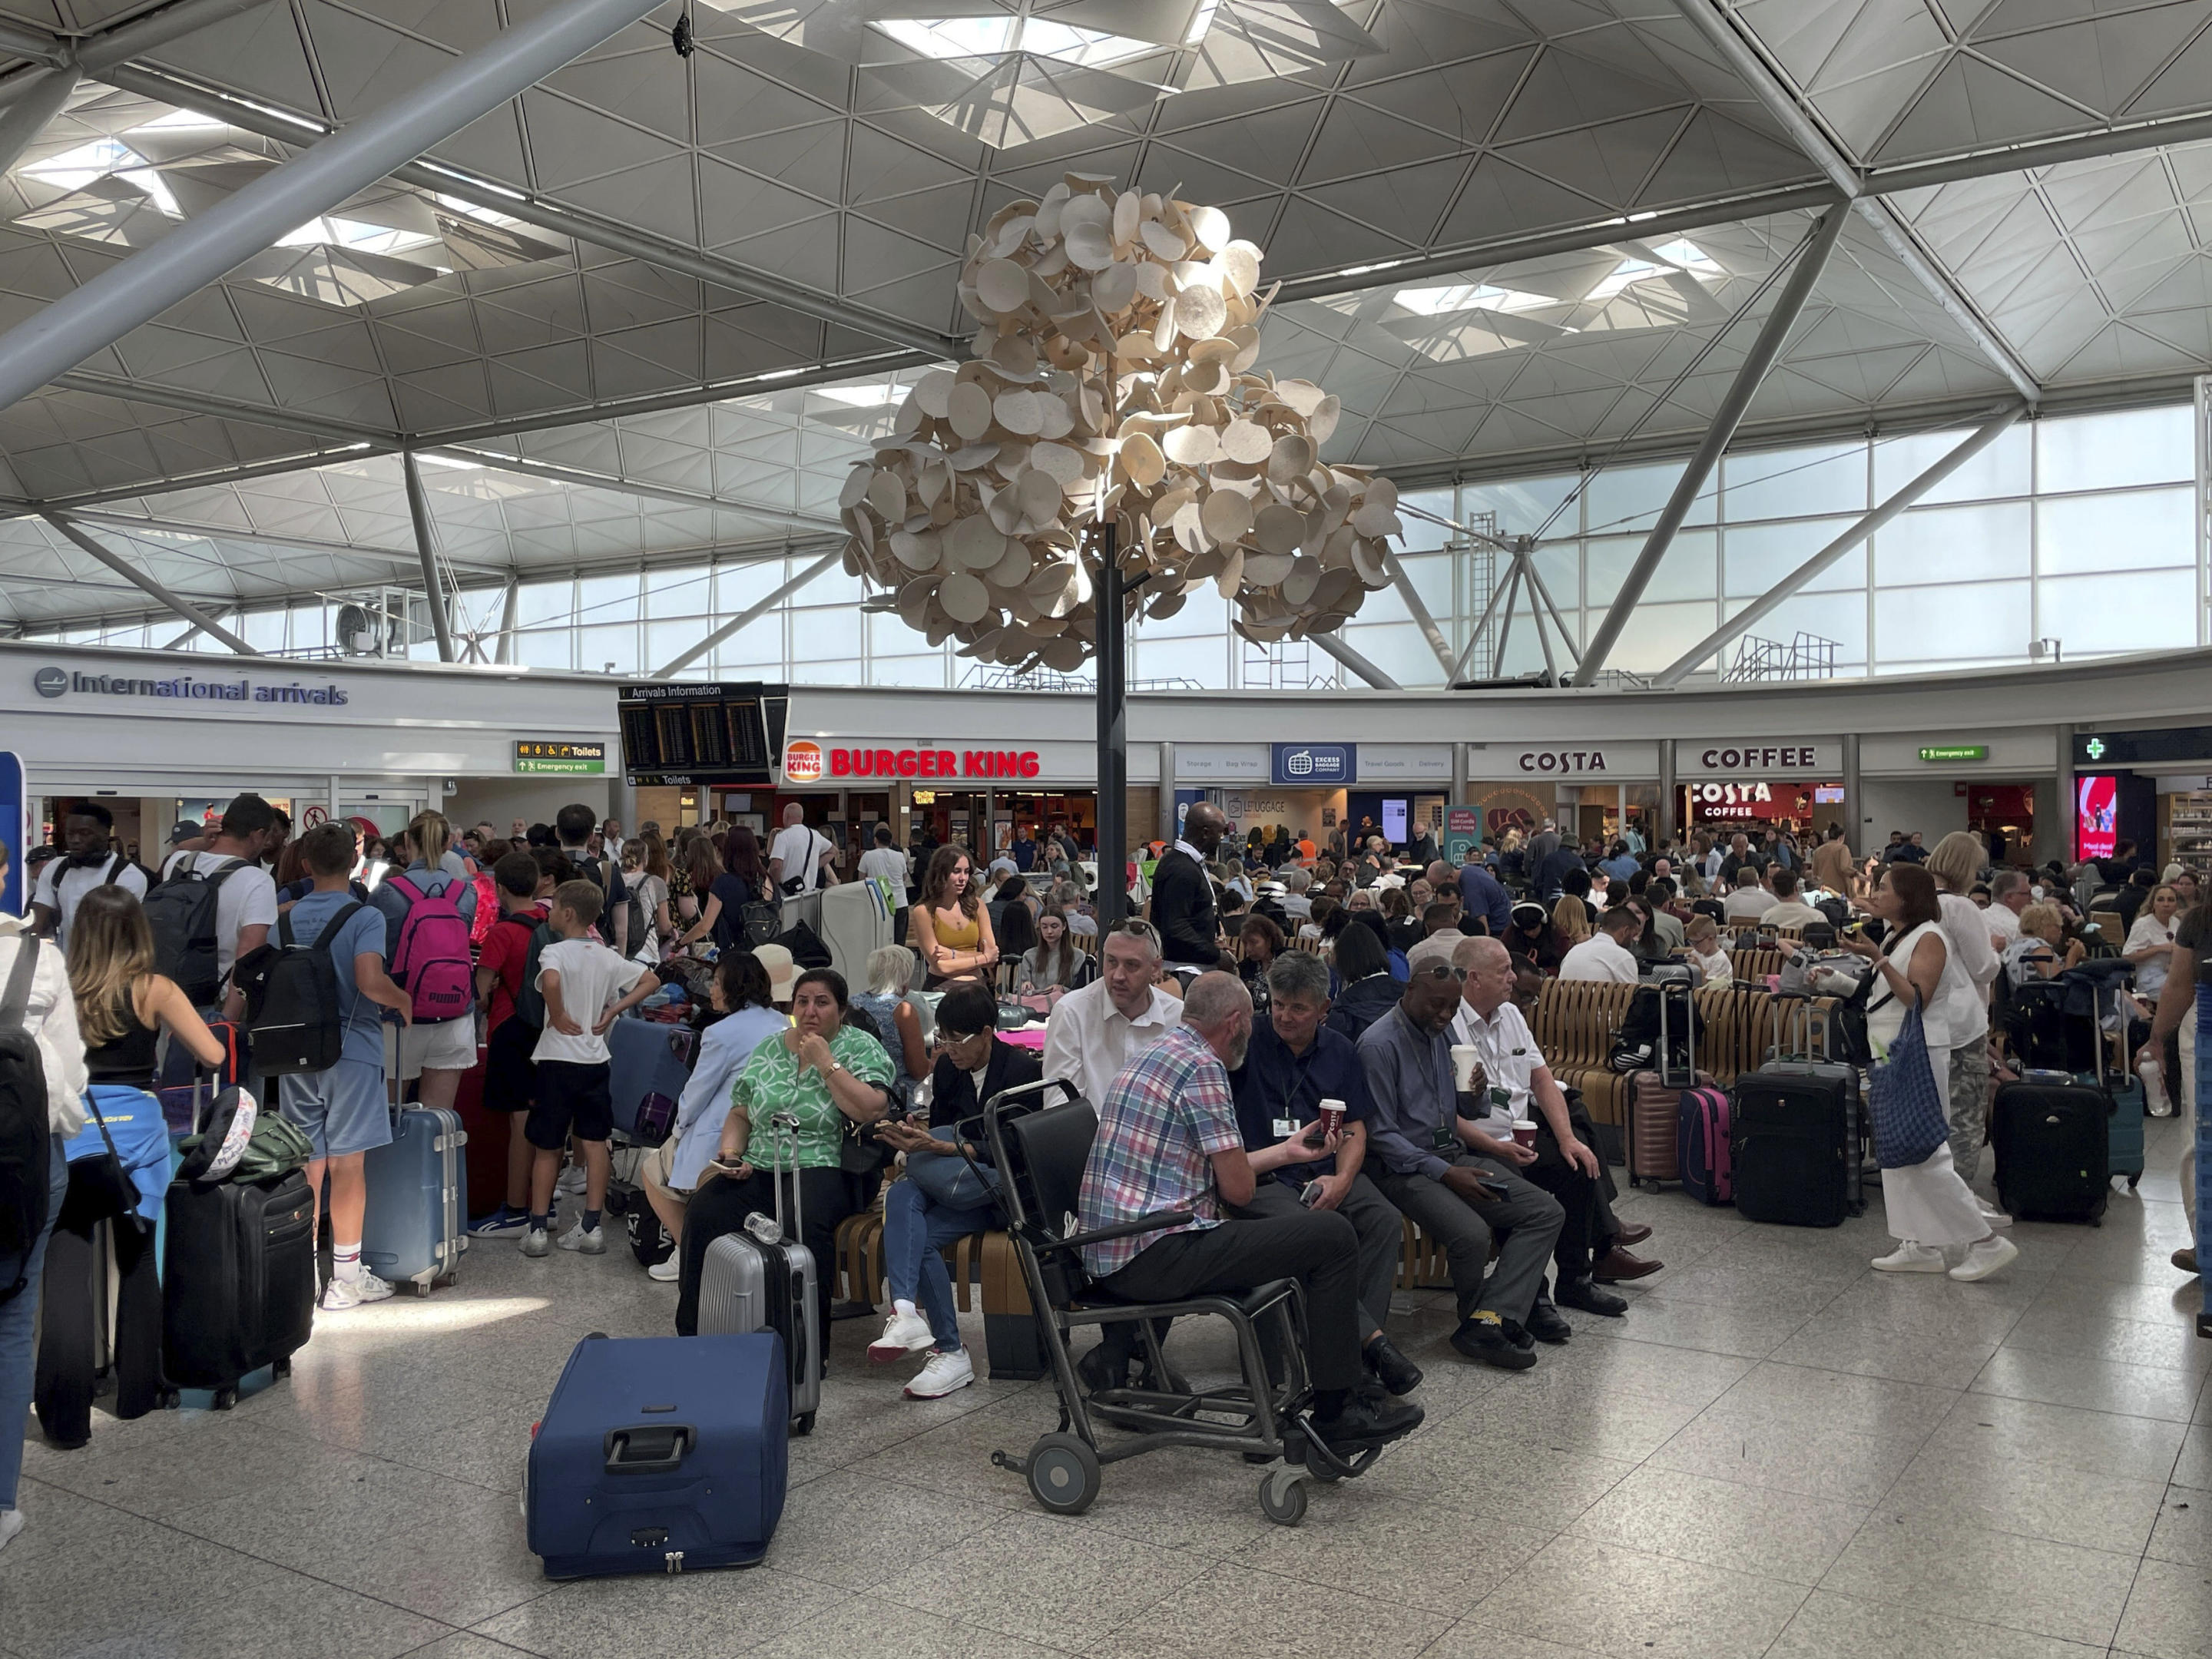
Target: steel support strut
{"type": "Point", "coordinates": [1950, 462]}
{"type": "Point", "coordinates": [1812, 257]}
{"type": "Point", "coordinates": [202, 248]}
{"type": "Point", "coordinates": [130, 573]}
{"type": "Point", "coordinates": [752, 613]}
{"type": "Point", "coordinates": [418, 508]}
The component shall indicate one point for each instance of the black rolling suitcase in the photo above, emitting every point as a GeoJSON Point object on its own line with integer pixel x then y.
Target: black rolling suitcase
{"type": "Point", "coordinates": [1794, 1129]}
{"type": "Point", "coordinates": [238, 1277]}
{"type": "Point", "coordinates": [2052, 1139]}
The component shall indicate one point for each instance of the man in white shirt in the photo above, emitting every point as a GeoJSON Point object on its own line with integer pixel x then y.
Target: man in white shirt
{"type": "Point", "coordinates": [89, 832]}
{"type": "Point", "coordinates": [245, 903]}
{"type": "Point", "coordinates": [2010, 895]}
{"type": "Point", "coordinates": [884, 862]}
{"type": "Point", "coordinates": [1604, 955]}
{"type": "Point", "coordinates": [1297, 900]}
{"type": "Point", "coordinates": [1093, 1032]}
{"type": "Point", "coordinates": [1789, 909]}
{"type": "Point", "coordinates": [1748, 900]}
{"type": "Point", "coordinates": [1517, 1084]}
{"type": "Point", "coordinates": [800, 854]}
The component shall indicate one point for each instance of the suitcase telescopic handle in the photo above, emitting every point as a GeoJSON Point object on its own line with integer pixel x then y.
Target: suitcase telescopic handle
{"type": "Point", "coordinates": [648, 1448]}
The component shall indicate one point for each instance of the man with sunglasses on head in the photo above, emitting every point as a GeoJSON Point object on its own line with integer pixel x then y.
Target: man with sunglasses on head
{"type": "Point", "coordinates": [1432, 1169]}
{"type": "Point", "coordinates": [1094, 1031]}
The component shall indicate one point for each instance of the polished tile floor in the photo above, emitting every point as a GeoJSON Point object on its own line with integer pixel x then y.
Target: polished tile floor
{"type": "Point", "coordinates": [1777, 1452]}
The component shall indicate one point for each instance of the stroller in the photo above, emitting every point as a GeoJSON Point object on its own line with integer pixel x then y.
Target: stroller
{"type": "Point", "coordinates": [1041, 1152]}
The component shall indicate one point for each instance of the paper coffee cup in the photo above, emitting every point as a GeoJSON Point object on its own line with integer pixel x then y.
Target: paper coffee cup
{"type": "Point", "coordinates": [1463, 1064]}
{"type": "Point", "coordinates": [1524, 1132]}
{"type": "Point", "coordinates": [1331, 1116]}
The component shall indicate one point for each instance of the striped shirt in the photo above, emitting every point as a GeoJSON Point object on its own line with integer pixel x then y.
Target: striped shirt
{"type": "Point", "coordinates": [1167, 1113]}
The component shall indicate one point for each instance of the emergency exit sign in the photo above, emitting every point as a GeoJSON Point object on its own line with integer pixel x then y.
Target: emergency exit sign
{"type": "Point", "coordinates": [1955, 751]}
{"type": "Point", "coordinates": [560, 759]}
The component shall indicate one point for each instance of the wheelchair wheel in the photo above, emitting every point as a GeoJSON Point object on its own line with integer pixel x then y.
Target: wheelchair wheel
{"type": "Point", "coordinates": [1283, 1497]}
{"type": "Point", "coordinates": [1063, 1474]}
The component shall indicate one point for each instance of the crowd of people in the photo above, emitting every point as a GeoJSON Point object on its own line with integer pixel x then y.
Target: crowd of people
{"type": "Point", "coordinates": [1299, 1045]}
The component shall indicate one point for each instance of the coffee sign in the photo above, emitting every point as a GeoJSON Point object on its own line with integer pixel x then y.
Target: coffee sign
{"type": "Point", "coordinates": [1799, 756]}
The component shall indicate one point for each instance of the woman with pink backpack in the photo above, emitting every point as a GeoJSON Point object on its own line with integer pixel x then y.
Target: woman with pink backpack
{"type": "Point", "coordinates": [428, 908]}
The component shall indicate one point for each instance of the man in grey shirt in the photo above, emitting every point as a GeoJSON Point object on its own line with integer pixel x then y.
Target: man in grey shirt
{"type": "Point", "coordinates": [1418, 1137]}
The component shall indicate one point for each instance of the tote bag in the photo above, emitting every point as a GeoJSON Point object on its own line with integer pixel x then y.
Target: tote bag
{"type": "Point", "coordinates": [1906, 1106]}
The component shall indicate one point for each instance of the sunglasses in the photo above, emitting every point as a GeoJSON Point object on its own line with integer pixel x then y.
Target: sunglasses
{"type": "Point", "coordinates": [1442, 970]}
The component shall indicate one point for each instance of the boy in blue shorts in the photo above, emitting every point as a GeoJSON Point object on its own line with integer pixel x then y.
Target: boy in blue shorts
{"type": "Point", "coordinates": [585, 987]}
{"type": "Point", "coordinates": [343, 1111]}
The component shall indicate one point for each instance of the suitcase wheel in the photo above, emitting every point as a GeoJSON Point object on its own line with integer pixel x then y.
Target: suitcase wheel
{"type": "Point", "coordinates": [280, 1368]}
{"type": "Point", "coordinates": [170, 1400]}
{"type": "Point", "coordinates": [420, 1287]}
{"type": "Point", "coordinates": [225, 1399]}
{"type": "Point", "coordinates": [803, 1423]}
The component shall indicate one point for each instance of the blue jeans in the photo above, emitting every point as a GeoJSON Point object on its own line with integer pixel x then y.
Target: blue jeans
{"type": "Point", "coordinates": [18, 1319]}
{"type": "Point", "coordinates": [914, 1230]}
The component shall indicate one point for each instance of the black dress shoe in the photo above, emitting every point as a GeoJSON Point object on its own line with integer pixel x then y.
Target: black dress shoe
{"type": "Point", "coordinates": [1367, 1423]}
{"type": "Point", "coordinates": [1484, 1338]}
{"type": "Point", "coordinates": [1590, 1297]}
{"type": "Point", "coordinates": [1546, 1325]}
{"type": "Point", "coordinates": [1398, 1374]}
{"type": "Point", "coordinates": [1101, 1369]}
{"type": "Point", "coordinates": [1634, 1233]}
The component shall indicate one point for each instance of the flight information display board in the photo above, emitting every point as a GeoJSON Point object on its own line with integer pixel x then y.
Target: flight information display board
{"type": "Point", "coordinates": [681, 733]}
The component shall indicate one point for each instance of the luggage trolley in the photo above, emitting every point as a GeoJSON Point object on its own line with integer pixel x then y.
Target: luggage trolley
{"type": "Point", "coordinates": [1041, 1152]}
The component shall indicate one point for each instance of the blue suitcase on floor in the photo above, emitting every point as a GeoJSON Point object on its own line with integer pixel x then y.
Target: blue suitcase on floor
{"type": "Point", "coordinates": [651, 1063]}
{"type": "Point", "coordinates": [2126, 1126]}
{"type": "Point", "coordinates": [660, 1454]}
{"type": "Point", "coordinates": [417, 1218]}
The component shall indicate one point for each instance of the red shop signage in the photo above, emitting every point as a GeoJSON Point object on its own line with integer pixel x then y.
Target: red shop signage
{"type": "Point", "coordinates": [933, 764]}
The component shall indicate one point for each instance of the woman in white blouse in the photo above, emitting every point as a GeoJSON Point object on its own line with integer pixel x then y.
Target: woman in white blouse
{"type": "Point", "coordinates": [49, 1016]}
{"type": "Point", "coordinates": [1929, 1208]}
{"type": "Point", "coordinates": [2150, 947]}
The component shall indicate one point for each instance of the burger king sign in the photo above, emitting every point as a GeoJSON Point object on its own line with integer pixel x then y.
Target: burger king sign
{"type": "Point", "coordinates": [802, 761]}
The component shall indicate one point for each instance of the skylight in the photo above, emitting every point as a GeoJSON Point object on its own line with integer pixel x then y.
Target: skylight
{"type": "Point", "coordinates": [989, 37]}
{"type": "Point", "coordinates": [105, 158]}
{"type": "Point", "coordinates": [333, 232]}
{"type": "Point", "coordinates": [1469, 296]}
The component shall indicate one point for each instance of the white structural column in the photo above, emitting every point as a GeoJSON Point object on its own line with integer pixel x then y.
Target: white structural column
{"type": "Point", "coordinates": [37, 104]}
{"type": "Point", "coordinates": [1419, 612]}
{"type": "Point", "coordinates": [1358, 664]}
{"type": "Point", "coordinates": [138, 578]}
{"type": "Point", "coordinates": [200, 250]}
{"type": "Point", "coordinates": [441, 623]}
{"type": "Point", "coordinates": [752, 613]}
{"type": "Point", "coordinates": [1812, 257]}
{"type": "Point", "coordinates": [1956, 457]}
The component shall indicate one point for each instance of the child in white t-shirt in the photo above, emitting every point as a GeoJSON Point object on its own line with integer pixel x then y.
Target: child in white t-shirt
{"type": "Point", "coordinates": [585, 987]}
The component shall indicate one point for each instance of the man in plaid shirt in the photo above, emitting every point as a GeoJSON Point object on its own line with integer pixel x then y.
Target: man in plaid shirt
{"type": "Point", "coordinates": [1168, 1139]}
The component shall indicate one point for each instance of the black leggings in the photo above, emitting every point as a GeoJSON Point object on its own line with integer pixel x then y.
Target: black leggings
{"type": "Point", "coordinates": [721, 1207]}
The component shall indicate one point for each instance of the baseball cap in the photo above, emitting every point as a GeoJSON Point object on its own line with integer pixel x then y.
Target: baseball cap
{"type": "Point", "coordinates": [184, 830]}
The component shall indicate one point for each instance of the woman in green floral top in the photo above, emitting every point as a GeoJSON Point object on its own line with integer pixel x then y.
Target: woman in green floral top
{"type": "Point", "coordinates": [821, 1072]}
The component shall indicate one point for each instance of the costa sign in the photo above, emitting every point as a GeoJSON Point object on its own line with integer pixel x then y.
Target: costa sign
{"type": "Point", "coordinates": [1563, 760]}
{"type": "Point", "coordinates": [1769, 757]}
{"type": "Point", "coordinates": [815, 762]}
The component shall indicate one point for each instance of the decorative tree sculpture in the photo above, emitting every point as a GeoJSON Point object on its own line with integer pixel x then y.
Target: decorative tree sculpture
{"type": "Point", "coordinates": [1112, 380]}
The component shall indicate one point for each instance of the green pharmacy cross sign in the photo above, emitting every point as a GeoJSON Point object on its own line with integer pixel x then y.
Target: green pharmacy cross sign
{"type": "Point", "coordinates": [2095, 749]}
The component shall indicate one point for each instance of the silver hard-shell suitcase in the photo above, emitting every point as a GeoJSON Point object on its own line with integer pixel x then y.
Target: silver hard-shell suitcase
{"type": "Point", "coordinates": [761, 1278]}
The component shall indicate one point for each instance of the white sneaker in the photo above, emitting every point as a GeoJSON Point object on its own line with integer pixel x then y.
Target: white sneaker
{"type": "Point", "coordinates": [593, 1242]}
{"type": "Point", "coordinates": [1990, 1214]}
{"type": "Point", "coordinates": [1910, 1258]}
{"type": "Point", "coordinates": [943, 1374]}
{"type": "Point", "coordinates": [343, 1294]}
{"type": "Point", "coordinates": [535, 1242]}
{"type": "Point", "coordinates": [1984, 1257]}
{"type": "Point", "coordinates": [570, 1182]}
{"type": "Point", "coordinates": [903, 1334]}
{"type": "Point", "coordinates": [11, 1522]}
{"type": "Point", "coordinates": [667, 1272]}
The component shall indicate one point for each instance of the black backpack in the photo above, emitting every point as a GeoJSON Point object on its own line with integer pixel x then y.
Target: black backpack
{"type": "Point", "coordinates": [529, 1000]}
{"type": "Point", "coordinates": [293, 1018]}
{"type": "Point", "coordinates": [182, 913]}
{"type": "Point", "coordinates": [26, 1139]}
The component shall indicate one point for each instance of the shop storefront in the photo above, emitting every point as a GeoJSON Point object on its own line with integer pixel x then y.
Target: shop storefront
{"type": "Point", "coordinates": [1593, 791]}
{"type": "Point", "coordinates": [1760, 785]}
{"type": "Point", "coordinates": [2153, 787]}
{"type": "Point", "coordinates": [982, 798]}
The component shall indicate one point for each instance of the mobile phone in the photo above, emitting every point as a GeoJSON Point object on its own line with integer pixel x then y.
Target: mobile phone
{"type": "Point", "coordinates": [1310, 1194]}
{"type": "Point", "coordinates": [1495, 1188]}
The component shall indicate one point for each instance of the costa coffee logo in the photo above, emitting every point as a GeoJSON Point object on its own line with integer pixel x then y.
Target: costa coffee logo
{"type": "Point", "coordinates": [1563, 760]}
{"type": "Point", "coordinates": [802, 761]}
{"type": "Point", "coordinates": [1743, 760]}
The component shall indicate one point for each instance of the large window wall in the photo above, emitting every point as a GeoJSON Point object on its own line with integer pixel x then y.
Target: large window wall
{"type": "Point", "coordinates": [2079, 530]}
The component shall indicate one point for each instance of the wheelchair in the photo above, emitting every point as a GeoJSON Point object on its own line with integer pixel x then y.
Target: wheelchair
{"type": "Point", "coordinates": [1040, 1151]}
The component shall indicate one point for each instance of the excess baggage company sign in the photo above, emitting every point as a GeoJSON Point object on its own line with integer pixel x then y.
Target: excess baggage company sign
{"type": "Point", "coordinates": [1315, 765]}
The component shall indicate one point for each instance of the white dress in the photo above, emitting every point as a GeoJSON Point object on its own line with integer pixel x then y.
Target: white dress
{"type": "Point", "coordinates": [1926, 1203]}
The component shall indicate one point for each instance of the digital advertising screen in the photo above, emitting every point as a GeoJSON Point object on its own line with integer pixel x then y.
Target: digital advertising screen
{"type": "Point", "coordinates": [2097, 815]}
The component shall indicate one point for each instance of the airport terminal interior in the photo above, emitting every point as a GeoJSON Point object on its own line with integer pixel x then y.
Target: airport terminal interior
{"type": "Point", "coordinates": [1106, 828]}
